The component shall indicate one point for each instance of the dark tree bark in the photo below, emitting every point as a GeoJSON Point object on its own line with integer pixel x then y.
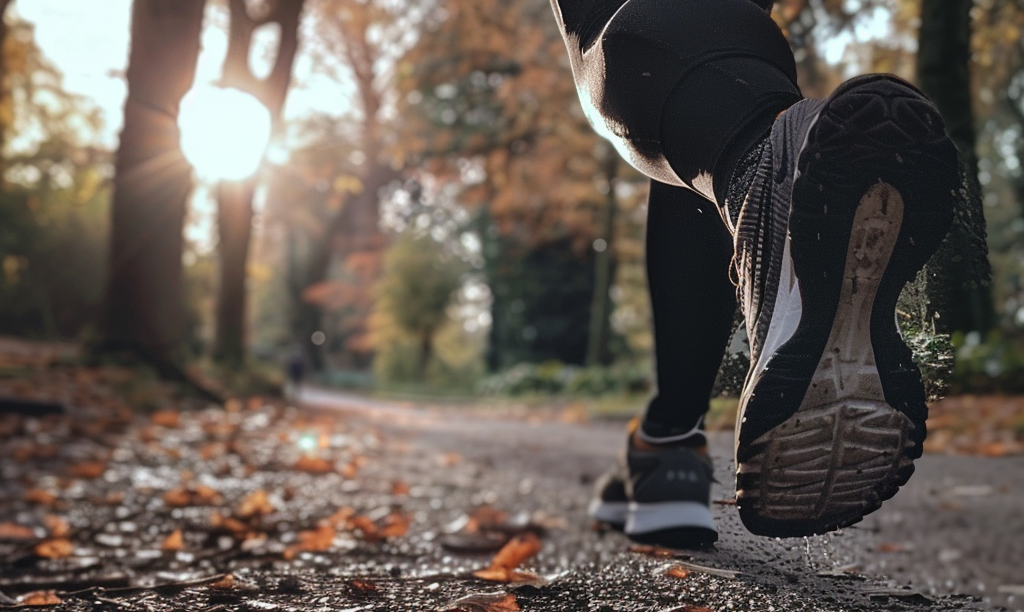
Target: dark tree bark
{"type": "Point", "coordinates": [604, 271]}
{"type": "Point", "coordinates": [234, 198]}
{"type": "Point", "coordinates": [959, 274]}
{"type": "Point", "coordinates": [144, 297]}
{"type": "Point", "coordinates": [4, 93]}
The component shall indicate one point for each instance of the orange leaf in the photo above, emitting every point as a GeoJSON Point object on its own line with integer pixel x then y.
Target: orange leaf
{"type": "Point", "coordinates": [313, 465]}
{"type": "Point", "coordinates": [518, 549]}
{"type": "Point", "coordinates": [226, 582]}
{"type": "Point", "coordinates": [255, 504]}
{"type": "Point", "coordinates": [41, 497]}
{"type": "Point", "coordinates": [316, 540]}
{"type": "Point", "coordinates": [173, 542]}
{"type": "Point", "coordinates": [166, 418]}
{"type": "Point", "coordinates": [14, 531]}
{"type": "Point", "coordinates": [396, 524]}
{"type": "Point", "coordinates": [88, 469]}
{"type": "Point", "coordinates": [399, 488]}
{"type": "Point", "coordinates": [40, 598]}
{"type": "Point", "coordinates": [57, 526]}
{"type": "Point", "coordinates": [677, 571]}
{"type": "Point", "coordinates": [57, 548]}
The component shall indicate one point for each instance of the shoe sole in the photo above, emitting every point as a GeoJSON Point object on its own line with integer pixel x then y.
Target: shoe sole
{"type": "Point", "coordinates": [614, 513]}
{"type": "Point", "coordinates": [832, 423]}
{"type": "Point", "coordinates": [680, 524]}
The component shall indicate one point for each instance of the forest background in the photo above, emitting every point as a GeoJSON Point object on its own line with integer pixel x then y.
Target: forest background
{"type": "Point", "coordinates": [433, 214]}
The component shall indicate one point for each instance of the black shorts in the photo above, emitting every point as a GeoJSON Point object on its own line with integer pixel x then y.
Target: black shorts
{"type": "Point", "coordinates": [717, 66]}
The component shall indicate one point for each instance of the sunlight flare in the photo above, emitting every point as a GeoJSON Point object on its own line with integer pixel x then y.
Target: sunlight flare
{"type": "Point", "coordinates": [224, 132]}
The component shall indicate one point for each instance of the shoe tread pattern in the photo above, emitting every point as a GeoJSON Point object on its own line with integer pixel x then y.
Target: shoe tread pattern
{"type": "Point", "coordinates": [844, 429]}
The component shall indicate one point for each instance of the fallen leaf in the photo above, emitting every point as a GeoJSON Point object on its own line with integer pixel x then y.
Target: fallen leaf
{"type": "Point", "coordinates": [14, 531]}
{"type": "Point", "coordinates": [256, 503]}
{"type": "Point", "coordinates": [890, 547]}
{"type": "Point", "coordinates": [315, 540]}
{"type": "Point", "coordinates": [399, 487]}
{"type": "Point", "coordinates": [39, 598]}
{"type": "Point", "coordinates": [57, 526]}
{"type": "Point", "coordinates": [41, 497]}
{"type": "Point", "coordinates": [313, 465]}
{"type": "Point", "coordinates": [483, 518]}
{"type": "Point", "coordinates": [225, 582]}
{"type": "Point", "coordinates": [512, 555]}
{"type": "Point", "coordinates": [395, 525]}
{"type": "Point", "coordinates": [485, 602]}
{"type": "Point", "coordinates": [166, 418]}
{"type": "Point", "coordinates": [192, 495]}
{"type": "Point", "coordinates": [677, 571]}
{"type": "Point", "coordinates": [57, 548]}
{"type": "Point", "coordinates": [173, 542]}
{"type": "Point", "coordinates": [361, 588]}
{"type": "Point", "coordinates": [88, 469]}
{"type": "Point", "coordinates": [448, 459]}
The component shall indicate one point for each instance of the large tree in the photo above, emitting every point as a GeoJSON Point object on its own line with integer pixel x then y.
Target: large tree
{"type": "Point", "coordinates": [234, 198]}
{"type": "Point", "coordinates": [152, 181]}
{"type": "Point", "coordinates": [959, 273]}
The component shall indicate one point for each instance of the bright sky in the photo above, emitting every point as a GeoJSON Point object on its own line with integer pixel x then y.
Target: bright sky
{"type": "Point", "coordinates": [88, 42]}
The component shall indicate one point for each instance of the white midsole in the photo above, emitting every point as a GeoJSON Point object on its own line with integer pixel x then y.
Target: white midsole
{"type": "Point", "coordinates": [657, 516]}
{"type": "Point", "coordinates": [608, 512]}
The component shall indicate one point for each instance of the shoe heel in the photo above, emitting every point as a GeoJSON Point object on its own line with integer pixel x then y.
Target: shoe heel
{"type": "Point", "coordinates": [873, 198]}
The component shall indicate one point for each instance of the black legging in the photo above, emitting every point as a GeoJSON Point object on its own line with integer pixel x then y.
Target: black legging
{"type": "Point", "coordinates": [683, 89]}
{"type": "Point", "coordinates": [688, 255]}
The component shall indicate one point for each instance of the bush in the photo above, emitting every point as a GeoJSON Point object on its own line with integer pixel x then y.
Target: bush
{"type": "Point", "coordinates": [557, 378]}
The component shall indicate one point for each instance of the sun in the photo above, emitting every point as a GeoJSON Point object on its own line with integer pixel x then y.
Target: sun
{"type": "Point", "coordinates": [224, 132]}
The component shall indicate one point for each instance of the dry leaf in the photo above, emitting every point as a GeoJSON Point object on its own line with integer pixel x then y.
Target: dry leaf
{"type": "Point", "coordinates": [14, 531]}
{"type": "Point", "coordinates": [449, 459]}
{"type": "Point", "coordinates": [57, 526]}
{"type": "Point", "coordinates": [340, 518]}
{"type": "Point", "coordinates": [313, 465]}
{"type": "Point", "coordinates": [41, 497]}
{"type": "Point", "coordinates": [395, 525]}
{"type": "Point", "coordinates": [192, 495]}
{"type": "Point", "coordinates": [677, 572]}
{"type": "Point", "coordinates": [256, 503]}
{"type": "Point", "coordinates": [166, 418]}
{"type": "Point", "coordinates": [890, 547]}
{"type": "Point", "coordinates": [512, 555]}
{"type": "Point", "coordinates": [57, 548]}
{"type": "Point", "coordinates": [173, 542]}
{"type": "Point", "coordinates": [40, 598]}
{"type": "Point", "coordinates": [399, 488]}
{"type": "Point", "coordinates": [316, 540]}
{"type": "Point", "coordinates": [226, 582]}
{"type": "Point", "coordinates": [485, 602]}
{"type": "Point", "coordinates": [349, 470]}
{"type": "Point", "coordinates": [88, 469]}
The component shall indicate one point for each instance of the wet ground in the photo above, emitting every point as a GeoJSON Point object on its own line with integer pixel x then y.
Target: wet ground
{"type": "Point", "coordinates": [351, 504]}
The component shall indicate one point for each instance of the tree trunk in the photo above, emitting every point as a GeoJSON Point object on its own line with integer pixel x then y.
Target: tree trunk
{"type": "Point", "coordinates": [959, 274]}
{"type": "Point", "coordinates": [234, 198]}
{"type": "Point", "coordinates": [234, 228]}
{"type": "Point", "coordinates": [4, 92]}
{"type": "Point", "coordinates": [604, 262]}
{"type": "Point", "coordinates": [152, 183]}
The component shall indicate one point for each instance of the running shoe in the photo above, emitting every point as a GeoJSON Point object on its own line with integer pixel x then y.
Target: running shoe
{"type": "Point", "coordinates": [851, 197]}
{"type": "Point", "coordinates": [660, 496]}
